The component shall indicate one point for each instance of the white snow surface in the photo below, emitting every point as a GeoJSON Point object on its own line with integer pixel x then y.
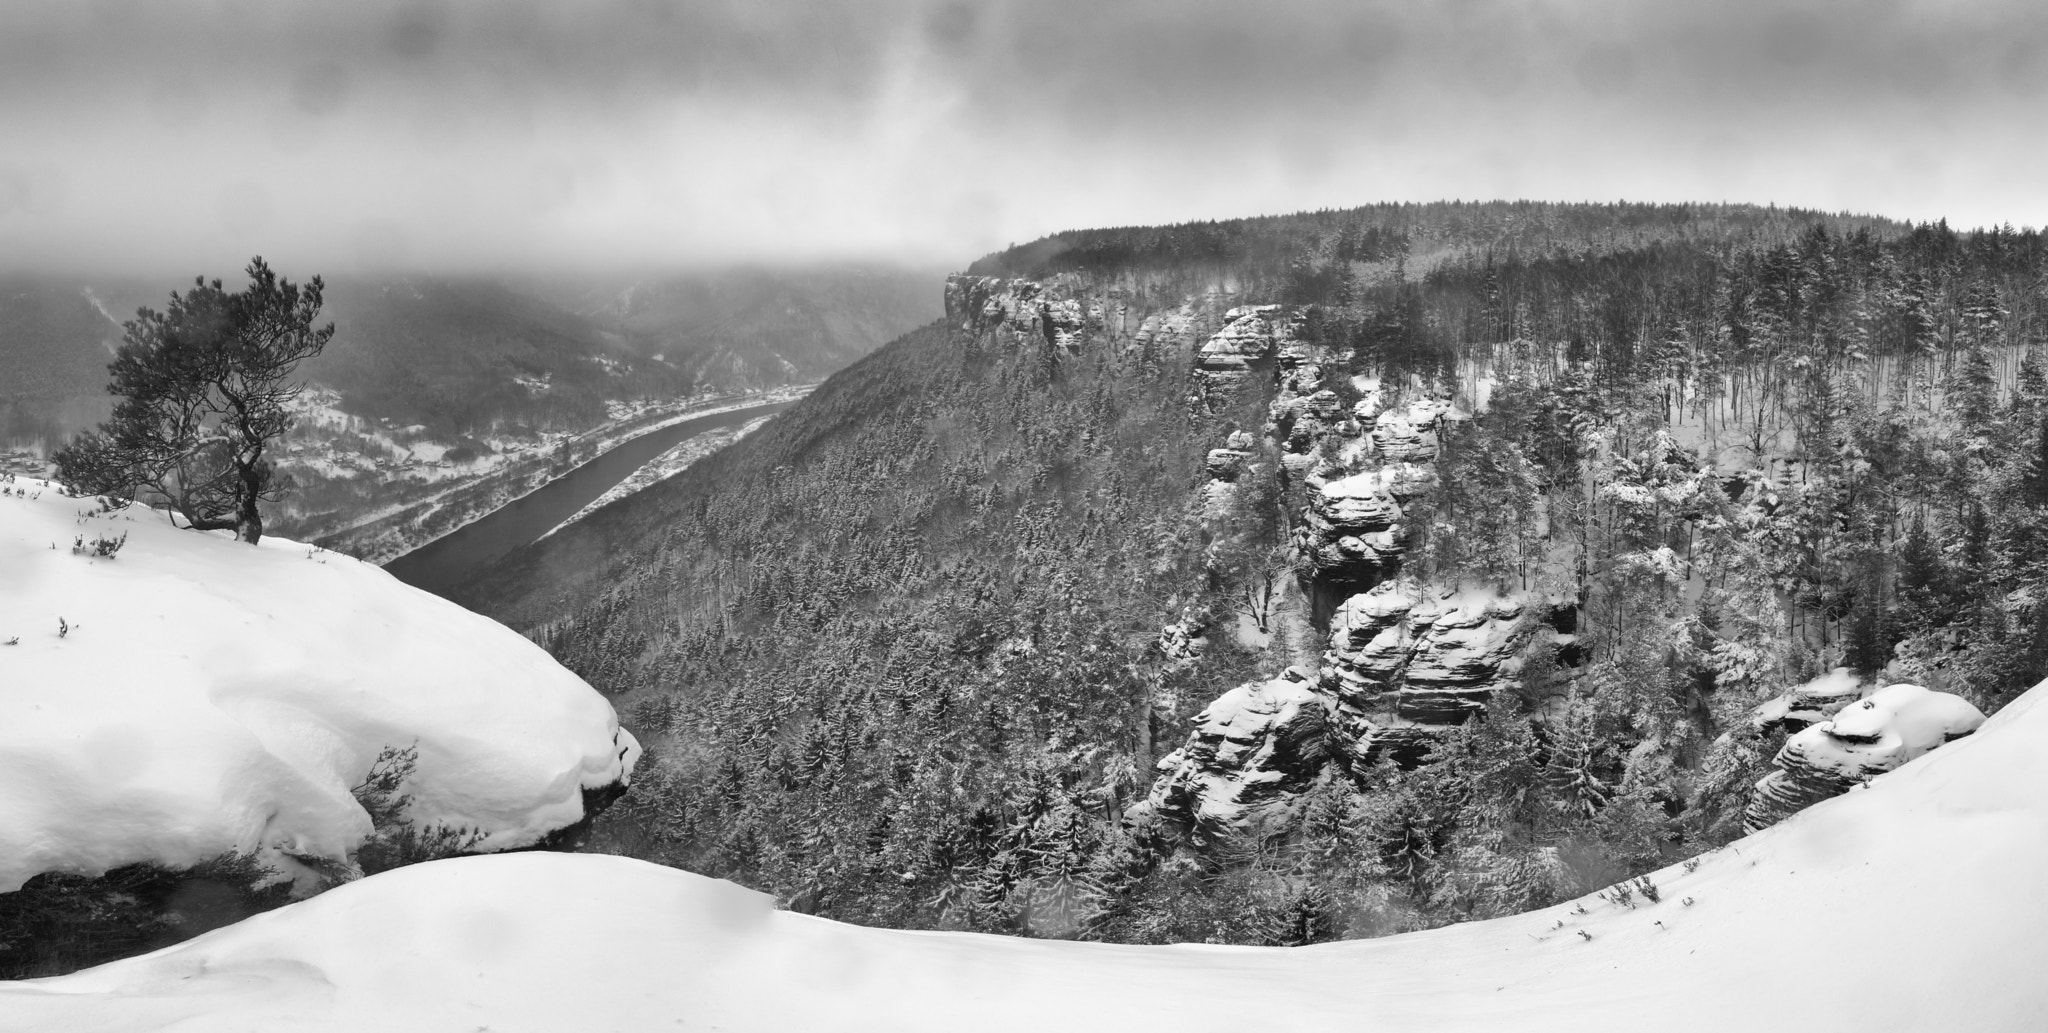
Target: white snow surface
{"type": "Point", "coordinates": [1915, 904]}
{"type": "Point", "coordinates": [1885, 729]}
{"type": "Point", "coordinates": [212, 696]}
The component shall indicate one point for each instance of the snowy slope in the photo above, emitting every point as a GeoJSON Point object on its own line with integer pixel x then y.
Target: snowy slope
{"type": "Point", "coordinates": [1914, 904]}
{"type": "Point", "coordinates": [210, 696]}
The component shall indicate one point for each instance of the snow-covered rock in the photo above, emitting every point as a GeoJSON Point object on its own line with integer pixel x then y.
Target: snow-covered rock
{"type": "Point", "coordinates": [1409, 434]}
{"type": "Point", "coordinates": [1224, 464]}
{"type": "Point", "coordinates": [1352, 533]}
{"type": "Point", "coordinates": [1810, 703]}
{"type": "Point", "coordinates": [1301, 422]}
{"type": "Point", "coordinates": [1226, 359]}
{"type": "Point", "coordinates": [1251, 754]}
{"type": "Point", "coordinates": [1246, 338]}
{"type": "Point", "coordinates": [1862, 741]}
{"type": "Point", "coordinates": [1022, 307]}
{"type": "Point", "coordinates": [1788, 930]}
{"type": "Point", "coordinates": [1404, 654]}
{"type": "Point", "coordinates": [192, 695]}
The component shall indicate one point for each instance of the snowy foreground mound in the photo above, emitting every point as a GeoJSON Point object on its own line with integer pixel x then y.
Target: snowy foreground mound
{"type": "Point", "coordinates": [205, 696]}
{"type": "Point", "coordinates": [1914, 904]}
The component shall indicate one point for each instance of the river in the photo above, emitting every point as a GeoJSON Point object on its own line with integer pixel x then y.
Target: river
{"type": "Point", "coordinates": [461, 554]}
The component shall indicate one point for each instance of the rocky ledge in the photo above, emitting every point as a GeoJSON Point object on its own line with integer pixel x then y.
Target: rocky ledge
{"type": "Point", "coordinates": [1862, 741]}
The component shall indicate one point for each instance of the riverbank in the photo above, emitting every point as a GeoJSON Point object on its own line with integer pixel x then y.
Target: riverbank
{"type": "Point", "coordinates": [445, 506]}
{"type": "Point", "coordinates": [453, 558]}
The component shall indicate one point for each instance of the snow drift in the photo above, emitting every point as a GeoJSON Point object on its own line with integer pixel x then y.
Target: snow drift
{"type": "Point", "coordinates": [1912, 904]}
{"type": "Point", "coordinates": [192, 695]}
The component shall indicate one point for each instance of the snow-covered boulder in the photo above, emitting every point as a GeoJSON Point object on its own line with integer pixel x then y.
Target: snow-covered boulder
{"type": "Point", "coordinates": [192, 695]}
{"type": "Point", "coordinates": [1252, 753]}
{"type": "Point", "coordinates": [1862, 741]}
{"type": "Point", "coordinates": [1912, 905]}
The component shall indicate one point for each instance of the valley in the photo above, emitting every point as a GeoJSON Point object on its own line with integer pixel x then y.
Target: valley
{"type": "Point", "coordinates": [496, 526]}
{"type": "Point", "coordinates": [1229, 582]}
{"type": "Point", "coordinates": [380, 494]}
{"type": "Point", "coordinates": [936, 516]}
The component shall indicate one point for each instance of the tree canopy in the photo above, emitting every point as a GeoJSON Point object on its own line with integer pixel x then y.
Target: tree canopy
{"type": "Point", "coordinates": [205, 387]}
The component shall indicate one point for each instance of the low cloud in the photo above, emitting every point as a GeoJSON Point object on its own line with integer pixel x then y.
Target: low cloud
{"type": "Point", "coordinates": [183, 136]}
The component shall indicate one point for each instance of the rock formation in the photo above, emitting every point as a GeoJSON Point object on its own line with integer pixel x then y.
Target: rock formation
{"type": "Point", "coordinates": [1229, 357]}
{"type": "Point", "coordinates": [1252, 753]}
{"type": "Point", "coordinates": [1353, 533]}
{"type": "Point", "coordinates": [1405, 660]}
{"type": "Point", "coordinates": [1022, 307]}
{"type": "Point", "coordinates": [1811, 703]}
{"type": "Point", "coordinates": [1862, 741]}
{"type": "Point", "coordinates": [1406, 655]}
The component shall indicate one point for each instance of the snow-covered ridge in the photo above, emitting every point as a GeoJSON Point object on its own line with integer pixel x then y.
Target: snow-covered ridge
{"type": "Point", "coordinates": [192, 695]}
{"type": "Point", "coordinates": [1912, 905]}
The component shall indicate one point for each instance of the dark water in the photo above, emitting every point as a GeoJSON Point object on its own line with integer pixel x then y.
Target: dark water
{"type": "Point", "coordinates": [453, 558]}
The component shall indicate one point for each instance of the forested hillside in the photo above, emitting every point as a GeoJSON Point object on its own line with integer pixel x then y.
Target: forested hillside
{"type": "Point", "coordinates": [1324, 575]}
{"type": "Point", "coordinates": [741, 328]}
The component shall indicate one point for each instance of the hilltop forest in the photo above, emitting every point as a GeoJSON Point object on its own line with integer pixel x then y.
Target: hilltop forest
{"type": "Point", "coordinates": [914, 654]}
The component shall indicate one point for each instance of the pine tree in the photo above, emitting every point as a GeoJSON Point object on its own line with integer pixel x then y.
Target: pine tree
{"type": "Point", "coordinates": [205, 395]}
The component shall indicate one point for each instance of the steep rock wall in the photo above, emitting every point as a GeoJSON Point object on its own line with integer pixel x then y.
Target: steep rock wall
{"type": "Point", "coordinates": [1405, 657]}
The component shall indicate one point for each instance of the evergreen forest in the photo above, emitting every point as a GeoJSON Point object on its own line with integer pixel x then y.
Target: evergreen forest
{"type": "Point", "coordinates": [907, 656]}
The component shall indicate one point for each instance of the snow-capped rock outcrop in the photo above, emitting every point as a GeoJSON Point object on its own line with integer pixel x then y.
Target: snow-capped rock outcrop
{"type": "Point", "coordinates": [1862, 741]}
{"type": "Point", "coordinates": [1408, 434]}
{"type": "Point", "coordinates": [1301, 422]}
{"type": "Point", "coordinates": [1249, 337]}
{"type": "Point", "coordinates": [1406, 661]}
{"type": "Point", "coordinates": [1351, 537]}
{"type": "Point", "coordinates": [1251, 754]}
{"type": "Point", "coordinates": [192, 695]}
{"type": "Point", "coordinates": [1425, 654]}
{"type": "Point", "coordinates": [1024, 307]}
{"type": "Point", "coordinates": [1810, 703]}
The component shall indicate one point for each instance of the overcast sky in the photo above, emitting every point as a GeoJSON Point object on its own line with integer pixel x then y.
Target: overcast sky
{"type": "Point", "coordinates": [184, 136]}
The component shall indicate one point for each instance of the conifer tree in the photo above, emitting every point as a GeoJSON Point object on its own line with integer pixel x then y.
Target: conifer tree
{"type": "Point", "coordinates": [205, 395]}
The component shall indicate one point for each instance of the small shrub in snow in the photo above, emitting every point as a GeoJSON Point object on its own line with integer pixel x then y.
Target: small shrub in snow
{"type": "Point", "coordinates": [397, 840]}
{"type": "Point", "coordinates": [102, 546]}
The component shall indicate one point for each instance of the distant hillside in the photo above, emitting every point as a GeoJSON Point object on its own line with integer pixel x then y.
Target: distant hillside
{"type": "Point", "coordinates": [755, 327]}
{"type": "Point", "coordinates": [54, 347]}
{"type": "Point", "coordinates": [468, 356]}
{"type": "Point", "coordinates": [433, 384]}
